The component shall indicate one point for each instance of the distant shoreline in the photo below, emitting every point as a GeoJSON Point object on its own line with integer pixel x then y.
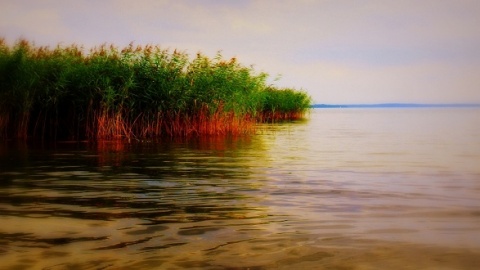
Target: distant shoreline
{"type": "Point", "coordinates": [398, 105]}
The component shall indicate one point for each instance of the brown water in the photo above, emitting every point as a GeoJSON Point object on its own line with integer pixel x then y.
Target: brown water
{"type": "Point", "coordinates": [347, 189]}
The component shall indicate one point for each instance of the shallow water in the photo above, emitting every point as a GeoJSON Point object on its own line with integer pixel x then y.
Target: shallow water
{"type": "Point", "coordinates": [346, 189]}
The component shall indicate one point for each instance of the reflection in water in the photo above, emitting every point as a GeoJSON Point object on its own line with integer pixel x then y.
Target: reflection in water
{"type": "Point", "coordinates": [348, 189]}
{"type": "Point", "coordinates": [92, 200]}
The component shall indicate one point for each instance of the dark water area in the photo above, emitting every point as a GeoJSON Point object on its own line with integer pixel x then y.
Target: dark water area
{"type": "Point", "coordinates": [345, 189]}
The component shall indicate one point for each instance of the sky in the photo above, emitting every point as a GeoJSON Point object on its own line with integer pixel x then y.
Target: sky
{"type": "Point", "coordinates": [338, 51]}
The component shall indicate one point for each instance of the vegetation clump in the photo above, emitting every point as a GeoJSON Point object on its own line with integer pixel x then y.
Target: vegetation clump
{"type": "Point", "coordinates": [135, 92]}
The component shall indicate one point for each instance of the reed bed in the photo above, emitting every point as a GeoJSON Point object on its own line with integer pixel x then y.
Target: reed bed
{"type": "Point", "coordinates": [134, 92]}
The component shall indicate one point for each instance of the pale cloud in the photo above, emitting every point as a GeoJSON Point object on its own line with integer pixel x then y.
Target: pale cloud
{"type": "Point", "coordinates": [242, 25]}
{"type": "Point", "coordinates": [39, 22]}
{"type": "Point", "coordinates": [421, 82]}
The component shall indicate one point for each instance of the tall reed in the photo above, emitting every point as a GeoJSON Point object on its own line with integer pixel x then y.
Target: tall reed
{"type": "Point", "coordinates": [133, 92]}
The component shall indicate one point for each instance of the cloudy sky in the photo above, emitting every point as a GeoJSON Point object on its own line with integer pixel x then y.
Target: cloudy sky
{"type": "Point", "coordinates": [339, 51]}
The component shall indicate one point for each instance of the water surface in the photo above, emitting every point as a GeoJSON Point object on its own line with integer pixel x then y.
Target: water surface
{"type": "Point", "coordinates": [346, 189]}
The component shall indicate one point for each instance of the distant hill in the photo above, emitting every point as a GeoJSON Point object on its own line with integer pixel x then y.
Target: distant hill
{"type": "Point", "coordinates": [399, 105]}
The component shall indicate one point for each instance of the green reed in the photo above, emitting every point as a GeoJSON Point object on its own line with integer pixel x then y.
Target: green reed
{"type": "Point", "coordinates": [134, 92]}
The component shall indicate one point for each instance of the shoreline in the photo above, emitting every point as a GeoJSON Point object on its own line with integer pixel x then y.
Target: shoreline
{"type": "Point", "coordinates": [398, 105]}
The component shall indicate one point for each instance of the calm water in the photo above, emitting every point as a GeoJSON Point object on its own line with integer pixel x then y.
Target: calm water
{"type": "Point", "coordinates": [346, 189]}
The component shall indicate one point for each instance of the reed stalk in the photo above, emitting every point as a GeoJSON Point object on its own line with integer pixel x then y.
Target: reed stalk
{"type": "Point", "coordinates": [135, 92]}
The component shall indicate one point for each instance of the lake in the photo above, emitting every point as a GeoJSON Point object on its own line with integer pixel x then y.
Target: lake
{"type": "Point", "coordinates": [343, 189]}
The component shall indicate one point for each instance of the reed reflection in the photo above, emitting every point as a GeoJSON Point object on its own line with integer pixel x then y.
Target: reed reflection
{"type": "Point", "coordinates": [112, 195]}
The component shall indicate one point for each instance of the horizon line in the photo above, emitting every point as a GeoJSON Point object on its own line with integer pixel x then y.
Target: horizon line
{"type": "Point", "coordinates": [397, 105]}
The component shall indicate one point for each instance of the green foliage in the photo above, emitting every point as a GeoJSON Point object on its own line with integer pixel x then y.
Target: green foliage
{"type": "Point", "coordinates": [133, 92]}
{"type": "Point", "coordinates": [284, 104]}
